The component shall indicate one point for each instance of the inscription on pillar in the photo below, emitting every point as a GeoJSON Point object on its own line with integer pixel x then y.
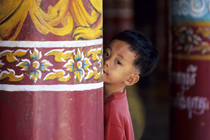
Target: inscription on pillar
{"type": "Point", "coordinates": [196, 105]}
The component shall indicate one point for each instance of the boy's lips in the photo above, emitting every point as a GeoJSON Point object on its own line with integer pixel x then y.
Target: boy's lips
{"type": "Point", "coordinates": [104, 72]}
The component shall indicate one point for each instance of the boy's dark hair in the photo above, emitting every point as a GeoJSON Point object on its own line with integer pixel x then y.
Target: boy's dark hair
{"type": "Point", "coordinates": [147, 55]}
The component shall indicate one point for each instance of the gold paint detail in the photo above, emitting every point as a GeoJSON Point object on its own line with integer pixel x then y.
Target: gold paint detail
{"type": "Point", "coordinates": [57, 74]}
{"type": "Point", "coordinates": [66, 17]}
{"type": "Point", "coordinates": [205, 32]}
{"type": "Point", "coordinates": [95, 53]}
{"type": "Point", "coordinates": [19, 12]}
{"type": "Point", "coordinates": [12, 57]}
{"type": "Point", "coordinates": [191, 57]}
{"type": "Point", "coordinates": [11, 75]}
{"type": "Point", "coordinates": [1, 64]}
{"type": "Point", "coordinates": [59, 55]}
{"type": "Point", "coordinates": [195, 23]}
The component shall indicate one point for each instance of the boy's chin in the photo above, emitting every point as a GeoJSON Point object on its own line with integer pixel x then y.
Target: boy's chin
{"type": "Point", "coordinates": [105, 82]}
{"type": "Point", "coordinates": [104, 78]}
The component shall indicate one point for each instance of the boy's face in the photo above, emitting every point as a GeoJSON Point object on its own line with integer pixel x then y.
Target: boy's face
{"type": "Point", "coordinates": [118, 63]}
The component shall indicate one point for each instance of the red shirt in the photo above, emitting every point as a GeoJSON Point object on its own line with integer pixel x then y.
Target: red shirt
{"type": "Point", "coordinates": [117, 120]}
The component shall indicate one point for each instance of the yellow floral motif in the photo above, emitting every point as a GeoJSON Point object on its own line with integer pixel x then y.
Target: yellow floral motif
{"type": "Point", "coordinates": [94, 73]}
{"type": "Point", "coordinates": [57, 74]}
{"type": "Point", "coordinates": [78, 65]}
{"type": "Point", "coordinates": [12, 57]}
{"type": "Point", "coordinates": [11, 75]}
{"type": "Point", "coordinates": [100, 61]}
{"type": "Point", "coordinates": [69, 65]}
{"type": "Point", "coordinates": [60, 19]}
{"type": "Point", "coordinates": [35, 64]}
{"type": "Point", "coordinates": [45, 64]}
{"type": "Point", "coordinates": [1, 64]}
{"type": "Point", "coordinates": [35, 74]}
{"type": "Point", "coordinates": [60, 56]}
{"type": "Point", "coordinates": [95, 53]}
{"type": "Point", "coordinates": [79, 74]}
{"type": "Point", "coordinates": [205, 32]}
{"type": "Point", "coordinates": [79, 55]}
{"type": "Point", "coordinates": [86, 64]}
{"type": "Point", "coordinates": [204, 47]}
{"type": "Point", "coordinates": [35, 55]}
{"type": "Point", "coordinates": [190, 40]}
{"type": "Point", "coordinates": [24, 65]}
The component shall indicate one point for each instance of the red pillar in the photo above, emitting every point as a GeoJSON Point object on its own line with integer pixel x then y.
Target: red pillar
{"type": "Point", "coordinates": [190, 77]}
{"type": "Point", "coordinates": [51, 70]}
{"type": "Point", "coordinates": [118, 16]}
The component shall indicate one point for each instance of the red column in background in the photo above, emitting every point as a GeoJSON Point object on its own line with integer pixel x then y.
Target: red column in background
{"type": "Point", "coordinates": [118, 16]}
{"type": "Point", "coordinates": [190, 63]}
{"type": "Point", "coordinates": [51, 70]}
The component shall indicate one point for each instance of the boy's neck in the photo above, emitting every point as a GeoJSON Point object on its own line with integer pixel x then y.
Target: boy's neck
{"type": "Point", "coordinates": [110, 89]}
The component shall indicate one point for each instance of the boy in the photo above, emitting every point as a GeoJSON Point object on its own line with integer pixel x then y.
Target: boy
{"type": "Point", "coordinates": [129, 56]}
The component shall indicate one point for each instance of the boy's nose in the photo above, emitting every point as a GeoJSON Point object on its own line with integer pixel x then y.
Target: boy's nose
{"type": "Point", "coordinates": [107, 62]}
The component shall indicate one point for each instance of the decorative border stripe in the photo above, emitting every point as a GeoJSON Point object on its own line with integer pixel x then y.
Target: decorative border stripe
{"type": "Point", "coordinates": [194, 23]}
{"type": "Point", "coordinates": [191, 57]}
{"type": "Point", "coordinates": [77, 87]}
{"type": "Point", "coordinates": [50, 44]}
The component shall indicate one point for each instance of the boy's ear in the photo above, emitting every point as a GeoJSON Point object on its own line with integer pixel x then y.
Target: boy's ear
{"type": "Point", "coordinates": [132, 79]}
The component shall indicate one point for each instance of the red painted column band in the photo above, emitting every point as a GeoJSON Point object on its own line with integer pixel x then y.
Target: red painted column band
{"type": "Point", "coordinates": [51, 84]}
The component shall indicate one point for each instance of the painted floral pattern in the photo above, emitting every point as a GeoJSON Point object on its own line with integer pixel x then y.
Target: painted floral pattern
{"type": "Point", "coordinates": [191, 40]}
{"type": "Point", "coordinates": [74, 64]}
{"type": "Point", "coordinates": [35, 65]}
{"type": "Point", "coordinates": [78, 65]}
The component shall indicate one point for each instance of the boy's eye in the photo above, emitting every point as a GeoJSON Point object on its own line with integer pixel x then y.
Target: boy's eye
{"type": "Point", "coordinates": [118, 62]}
{"type": "Point", "coordinates": [106, 53]}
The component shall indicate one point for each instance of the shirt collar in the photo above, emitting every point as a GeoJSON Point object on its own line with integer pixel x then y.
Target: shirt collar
{"type": "Point", "coordinates": [116, 95]}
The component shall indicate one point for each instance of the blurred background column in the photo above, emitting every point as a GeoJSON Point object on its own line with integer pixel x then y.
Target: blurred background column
{"type": "Point", "coordinates": [151, 18]}
{"type": "Point", "coordinates": [190, 63]}
{"type": "Point", "coordinates": [50, 70]}
{"type": "Point", "coordinates": [118, 16]}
